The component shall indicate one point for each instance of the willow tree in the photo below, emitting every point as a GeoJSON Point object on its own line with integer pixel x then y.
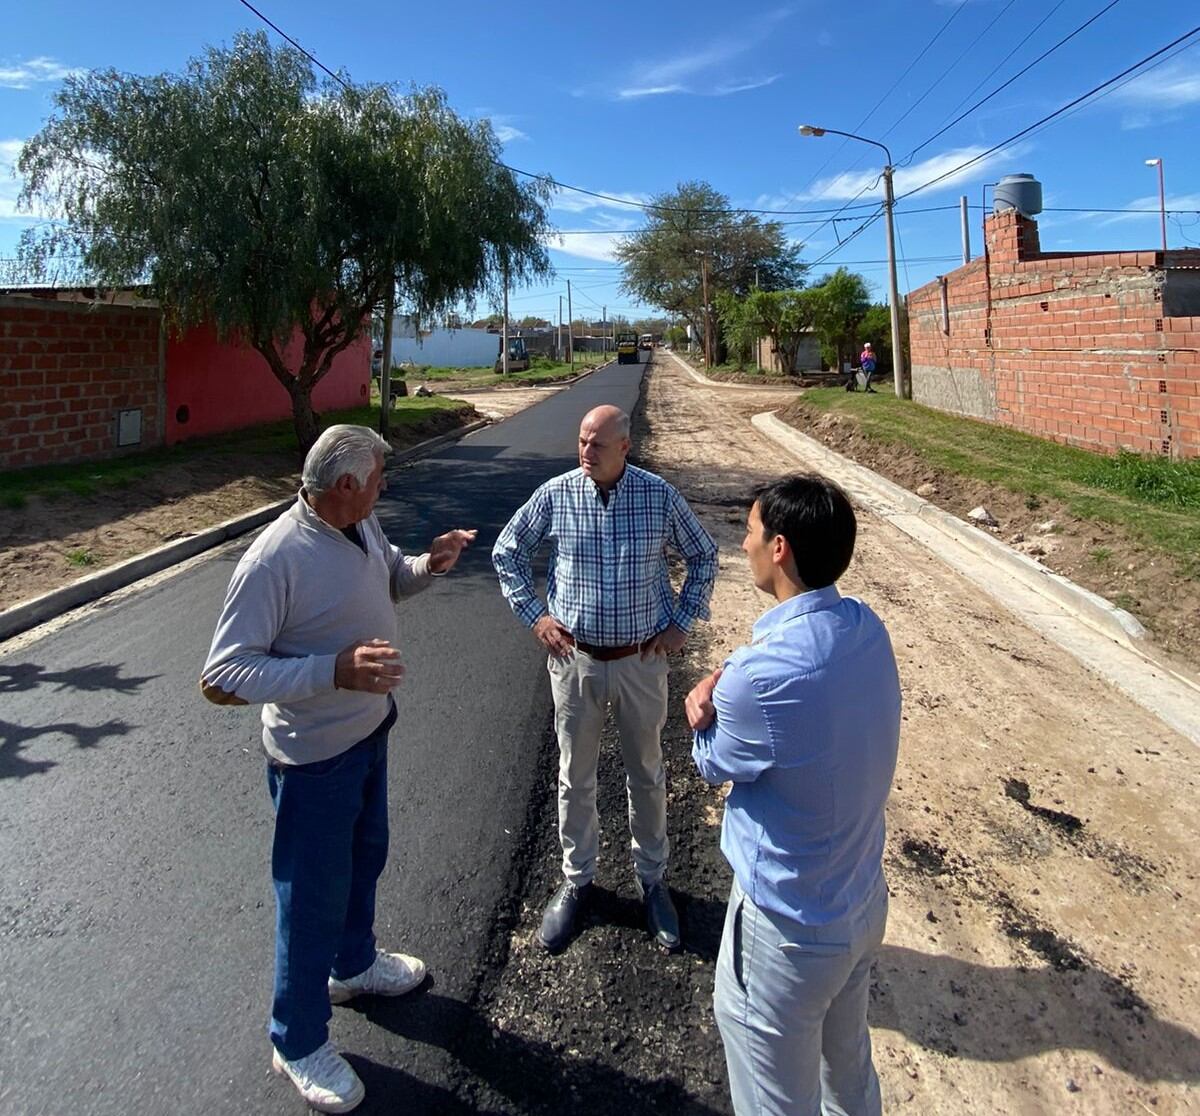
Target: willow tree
{"type": "Point", "coordinates": [245, 194]}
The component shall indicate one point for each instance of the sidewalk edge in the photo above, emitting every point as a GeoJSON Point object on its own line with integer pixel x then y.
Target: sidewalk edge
{"type": "Point", "coordinates": [1090, 607]}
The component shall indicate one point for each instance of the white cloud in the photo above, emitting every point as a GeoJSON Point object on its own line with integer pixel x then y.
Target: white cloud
{"type": "Point", "coordinates": [22, 75]}
{"type": "Point", "coordinates": [602, 247]}
{"type": "Point", "coordinates": [507, 133]}
{"type": "Point", "coordinates": [704, 71]}
{"type": "Point", "coordinates": [1148, 203]}
{"type": "Point", "coordinates": [1167, 87]}
{"type": "Point", "coordinates": [869, 183]}
{"type": "Point", "coordinates": [649, 91]}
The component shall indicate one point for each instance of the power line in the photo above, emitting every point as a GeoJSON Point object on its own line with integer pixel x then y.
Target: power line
{"type": "Point", "coordinates": [983, 101]}
{"type": "Point", "coordinates": [1056, 113]}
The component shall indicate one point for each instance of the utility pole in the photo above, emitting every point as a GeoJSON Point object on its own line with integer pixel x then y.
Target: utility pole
{"type": "Point", "coordinates": [559, 338]}
{"type": "Point", "coordinates": [570, 328]}
{"type": "Point", "coordinates": [604, 329]}
{"type": "Point", "coordinates": [898, 376]}
{"type": "Point", "coordinates": [704, 295]}
{"type": "Point", "coordinates": [385, 362]}
{"type": "Point", "coordinates": [504, 326]}
{"type": "Point", "coordinates": [966, 230]}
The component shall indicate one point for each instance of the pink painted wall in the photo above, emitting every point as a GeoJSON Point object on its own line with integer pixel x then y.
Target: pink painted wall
{"type": "Point", "coordinates": [226, 386]}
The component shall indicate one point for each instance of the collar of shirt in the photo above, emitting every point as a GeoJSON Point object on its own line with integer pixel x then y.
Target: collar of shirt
{"type": "Point", "coordinates": [597, 492]}
{"type": "Point", "coordinates": [815, 600]}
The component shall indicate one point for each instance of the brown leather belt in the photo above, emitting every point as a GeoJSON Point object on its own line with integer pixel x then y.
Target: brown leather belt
{"type": "Point", "coordinates": [607, 654]}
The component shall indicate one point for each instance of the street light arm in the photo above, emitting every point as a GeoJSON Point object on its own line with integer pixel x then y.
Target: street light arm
{"type": "Point", "coordinates": [812, 130]}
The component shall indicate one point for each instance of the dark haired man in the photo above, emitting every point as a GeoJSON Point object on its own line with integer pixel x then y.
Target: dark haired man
{"type": "Point", "coordinates": [811, 754]}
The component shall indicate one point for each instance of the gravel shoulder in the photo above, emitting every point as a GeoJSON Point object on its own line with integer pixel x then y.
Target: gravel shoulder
{"type": "Point", "coordinates": [1041, 857]}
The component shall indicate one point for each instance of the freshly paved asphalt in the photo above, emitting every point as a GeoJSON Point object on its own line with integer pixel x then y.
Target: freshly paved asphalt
{"type": "Point", "coordinates": [136, 914]}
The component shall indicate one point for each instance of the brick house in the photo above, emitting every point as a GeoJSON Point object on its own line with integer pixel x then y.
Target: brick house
{"type": "Point", "coordinates": [83, 378]}
{"type": "Point", "coordinates": [1096, 349]}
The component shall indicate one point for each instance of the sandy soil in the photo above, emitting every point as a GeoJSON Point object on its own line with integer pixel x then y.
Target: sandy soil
{"type": "Point", "coordinates": [1041, 952]}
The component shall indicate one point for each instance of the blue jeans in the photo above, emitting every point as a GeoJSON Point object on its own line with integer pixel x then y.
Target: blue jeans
{"type": "Point", "coordinates": [331, 841]}
{"type": "Point", "coordinates": [791, 1006]}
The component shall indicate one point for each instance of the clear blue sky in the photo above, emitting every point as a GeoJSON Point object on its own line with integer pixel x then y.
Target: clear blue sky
{"type": "Point", "coordinates": [630, 99]}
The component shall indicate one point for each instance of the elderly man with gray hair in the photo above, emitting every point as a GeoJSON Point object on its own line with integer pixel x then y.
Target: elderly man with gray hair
{"type": "Point", "coordinates": [309, 630]}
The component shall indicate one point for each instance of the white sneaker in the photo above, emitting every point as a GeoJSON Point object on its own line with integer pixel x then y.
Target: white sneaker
{"type": "Point", "coordinates": [390, 974]}
{"type": "Point", "coordinates": [324, 1078]}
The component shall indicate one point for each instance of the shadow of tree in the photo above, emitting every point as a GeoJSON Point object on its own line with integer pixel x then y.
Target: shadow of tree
{"type": "Point", "coordinates": [92, 678]}
{"type": "Point", "coordinates": [1005, 1014]}
{"type": "Point", "coordinates": [15, 738]}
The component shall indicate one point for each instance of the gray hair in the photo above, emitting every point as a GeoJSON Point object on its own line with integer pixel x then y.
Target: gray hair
{"type": "Point", "coordinates": [342, 450]}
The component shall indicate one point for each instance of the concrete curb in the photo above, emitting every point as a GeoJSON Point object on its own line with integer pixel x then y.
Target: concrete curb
{"type": "Point", "coordinates": [29, 614]}
{"type": "Point", "coordinates": [1094, 610]}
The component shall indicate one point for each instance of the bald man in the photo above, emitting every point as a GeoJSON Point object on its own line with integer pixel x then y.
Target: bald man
{"type": "Point", "coordinates": [608, 624]}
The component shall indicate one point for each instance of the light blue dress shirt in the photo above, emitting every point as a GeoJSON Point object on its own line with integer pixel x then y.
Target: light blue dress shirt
{"type": "Point", "coordinates": [608, 582]}
{"type": "Point", "coordinates": [807, 728]}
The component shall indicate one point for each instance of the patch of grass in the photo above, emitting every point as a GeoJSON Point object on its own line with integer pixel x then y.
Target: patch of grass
{"type": "Point", "coordinates": [13, 501]}
{"type": "Point", "coordinates": [1101, 554]}
{"type": "Point", "coordinates": [1154, 500]}
{"type": "Point", "coordinates": [540, 370]}
{"type": "Point", "coordinates": [81, 558]}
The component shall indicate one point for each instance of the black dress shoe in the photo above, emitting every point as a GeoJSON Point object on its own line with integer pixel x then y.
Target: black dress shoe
{"type": "Point", "coordinates": [661, 918]}
{"type": "Point", "coordinates": [558, 920]}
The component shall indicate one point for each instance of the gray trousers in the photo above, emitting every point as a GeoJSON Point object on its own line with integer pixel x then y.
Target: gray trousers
{"type": "Point", "coordinates": [584, 690]}
{"type": "Point", "coordinates": [791, 1005]}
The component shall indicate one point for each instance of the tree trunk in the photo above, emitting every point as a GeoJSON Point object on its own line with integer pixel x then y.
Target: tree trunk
{"type": "Point", "coordinates": [304, 419]}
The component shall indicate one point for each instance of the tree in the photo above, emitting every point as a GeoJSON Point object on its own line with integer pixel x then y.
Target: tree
{"type": "Point", "coordinates": [842, 301]}
{"type": "Point", "coordinates": [785, 317]}
{"type": "Point", "coordinates": [662, 261]}
{"type": "Point", "coordinates": [244, 194]}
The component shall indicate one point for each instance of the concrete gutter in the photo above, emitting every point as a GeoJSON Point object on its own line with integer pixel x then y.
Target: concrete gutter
{"type": "Point", "coordinates": [1068, 614]}
{"type": "Point", "coordinates": [38, 610]}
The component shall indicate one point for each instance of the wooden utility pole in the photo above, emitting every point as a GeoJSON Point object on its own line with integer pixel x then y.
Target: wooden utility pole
{"type": "Point", "coordinates": [604, 329]}
{"type": "Point", "coordinates": [385, 361]}
{"type": "Point", "coordinates": [559, 354]}
{"type": "Point", "coordinates": [704, 295]}
{"type": "Point", "coordinates": [570, 328]}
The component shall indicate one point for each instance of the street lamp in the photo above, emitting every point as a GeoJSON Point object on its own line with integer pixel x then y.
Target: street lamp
{"type": "Point", "coordinates": [889, 203]}
{"type": "Point", "coordinates": [1162, 199]}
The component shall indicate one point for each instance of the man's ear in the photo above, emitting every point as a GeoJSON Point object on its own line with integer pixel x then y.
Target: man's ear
{"type": "Point", "coordinates": [781, 550]}
{"type": "Point", "coordinates": [346, 485]}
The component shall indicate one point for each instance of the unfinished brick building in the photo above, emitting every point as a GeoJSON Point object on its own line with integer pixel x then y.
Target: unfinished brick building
{"type": "Point", "coordinates": [1096, 349]}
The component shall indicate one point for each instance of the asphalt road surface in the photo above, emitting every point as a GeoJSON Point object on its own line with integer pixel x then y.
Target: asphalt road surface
{"type": "Point", "coordinates": [136, 913]}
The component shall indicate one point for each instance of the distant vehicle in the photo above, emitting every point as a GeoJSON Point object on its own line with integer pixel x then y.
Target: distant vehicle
{"type": "Point", "coordinates": [518, 356]}
{"type": "Point", "coordinates": [646, 341]}
{"type": "Point", "coordinates": [627, 348]}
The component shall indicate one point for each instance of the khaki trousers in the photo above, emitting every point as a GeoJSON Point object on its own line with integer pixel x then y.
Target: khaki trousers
{"type": "Point", "coordinates": [584, 690]}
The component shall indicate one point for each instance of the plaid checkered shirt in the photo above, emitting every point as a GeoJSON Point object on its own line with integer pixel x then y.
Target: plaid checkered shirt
{"type": "Point", "coordinates": [607, 581]}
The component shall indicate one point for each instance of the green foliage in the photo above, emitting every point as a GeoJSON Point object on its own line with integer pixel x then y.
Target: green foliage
{"type": "Point", "coordinates": [1090, 484]}
{"type": "Point", "coordinates": [842, 303]}
{"type": "Point", "coordinates": [81, 557]}
{"type": "Point", "coordinates": [662, 261]}
{"type": "Point", "coordinates": [785, 317]}
{"type": "Point", "coordinates": [245, 194]}
{"type": "Point", "coordinates": [876, 327]}
{"type": "Point", "coordinates": [1156, 480]}
{"type": "Point", "coordinates": [676, 336]}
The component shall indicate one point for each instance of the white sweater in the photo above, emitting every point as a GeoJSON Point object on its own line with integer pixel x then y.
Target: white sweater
{"type": "Point", "coordinates": [302, 593]}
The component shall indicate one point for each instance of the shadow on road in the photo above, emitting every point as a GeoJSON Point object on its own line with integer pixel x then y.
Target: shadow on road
{"type": "Point", "coordinates": [15, 738]}
{"type": "Point", "coordinates": [527, 1076]}
{"type": "Point", "coordinates": [92, 678]}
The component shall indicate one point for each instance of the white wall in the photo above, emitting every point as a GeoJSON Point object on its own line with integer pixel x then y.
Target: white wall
{"type": "Point", "coordinates": [454, 348]}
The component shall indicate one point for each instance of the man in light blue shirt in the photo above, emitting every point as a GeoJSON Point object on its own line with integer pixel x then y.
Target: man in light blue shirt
{"type": "Point", "coordinates": [805, 723]}
{"type": "Point", "coordinates": [610, 619]}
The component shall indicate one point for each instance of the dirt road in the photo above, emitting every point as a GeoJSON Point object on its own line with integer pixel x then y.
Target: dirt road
{"type": "Point", "coordinates": [1042, 948]}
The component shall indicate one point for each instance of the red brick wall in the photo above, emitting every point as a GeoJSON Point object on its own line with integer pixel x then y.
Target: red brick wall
{"type": "Point", "coordinates": [1070, 346]}
{"type": "Point", "coordinates": [65, 372]}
